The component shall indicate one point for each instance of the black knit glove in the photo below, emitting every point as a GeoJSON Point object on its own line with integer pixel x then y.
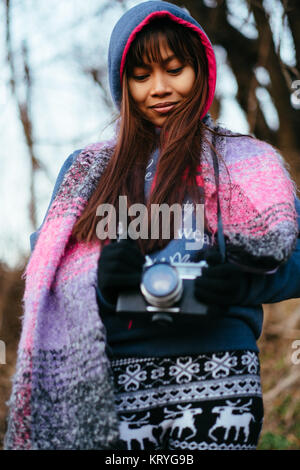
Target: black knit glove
{"type": "Point", "coordinates": [222, 283]}
{"type": "Point", "coordinates": [119, 267]}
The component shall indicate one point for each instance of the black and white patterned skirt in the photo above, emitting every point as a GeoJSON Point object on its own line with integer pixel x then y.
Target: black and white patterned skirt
{"type": "Point", "coordinates": [198, 402]}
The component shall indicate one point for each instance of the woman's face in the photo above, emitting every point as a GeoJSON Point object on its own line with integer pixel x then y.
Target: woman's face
{"type": "Point", "coordinates": [157, 88]}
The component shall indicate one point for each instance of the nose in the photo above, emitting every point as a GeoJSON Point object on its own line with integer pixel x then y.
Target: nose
{"type": "Point", "coordinates": [160, 84]}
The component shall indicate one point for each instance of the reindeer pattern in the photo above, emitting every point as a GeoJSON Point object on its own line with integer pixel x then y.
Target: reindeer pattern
{"type": "Point", "coordinates": [174, 424]}
{"type": "Point", "coordinates": [204, 402]}
{"type": "Point", "coordinates": [232, 416]}
{"type": "Point", "coordinates": [183, 422]}
{"type": "Point", "coordinates": [179, 420]}
{"type": "Point", "coordinates": [138, 431]}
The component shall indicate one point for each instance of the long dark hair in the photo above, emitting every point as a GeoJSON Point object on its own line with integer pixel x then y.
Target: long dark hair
{"type": "Point", "coordinates": [179, 141]}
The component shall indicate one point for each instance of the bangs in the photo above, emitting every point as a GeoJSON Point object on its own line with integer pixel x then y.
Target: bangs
{"type": "Point", "coordinates": [154, 38]}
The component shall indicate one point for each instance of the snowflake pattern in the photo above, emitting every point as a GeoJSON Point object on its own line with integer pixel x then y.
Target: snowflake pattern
{"type": "Point", "coordinates": [184, 369]}
{"type": "Point", "coordinates": [137, 374]}
{"type": "Point", "coordinates": [251, 361]}
{"type": "Point", "coordinates": [220, 366]}
{"type": "Point", "coordinates": [132, 377]}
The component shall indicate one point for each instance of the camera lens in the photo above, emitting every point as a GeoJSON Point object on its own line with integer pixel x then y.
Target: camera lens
{"type": "Point", "coordinates": [161, 285]}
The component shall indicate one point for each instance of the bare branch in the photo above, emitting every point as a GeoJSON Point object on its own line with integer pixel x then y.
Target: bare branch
{"type": "Point", "coordinates": [292, 379]}
{"type": "Point", "coordinates": [23, 107]}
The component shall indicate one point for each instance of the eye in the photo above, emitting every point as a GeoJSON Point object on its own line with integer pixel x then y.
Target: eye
{"type": "Point", "coordinates": [140, 78]}
{"type": "Point", "coordinates": [175, 71]}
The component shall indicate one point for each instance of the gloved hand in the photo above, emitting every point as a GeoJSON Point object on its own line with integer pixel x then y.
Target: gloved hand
{"type": "Point", "coordinates": [119, 267]}
{"type": "Point", "coordinates": [222, 283]}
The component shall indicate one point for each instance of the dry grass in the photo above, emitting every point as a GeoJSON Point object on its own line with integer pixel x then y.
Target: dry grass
{"type": "Point", "coordinates": [11, 291]}
{"type": "Point", "coordinates": [280, 376]}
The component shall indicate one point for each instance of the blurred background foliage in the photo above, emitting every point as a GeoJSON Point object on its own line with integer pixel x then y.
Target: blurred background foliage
{"type": "Point", "coordinates": [257, 45]}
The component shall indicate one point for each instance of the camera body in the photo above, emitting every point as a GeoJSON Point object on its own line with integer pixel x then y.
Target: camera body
{"type": "Point", "coordinates": [166, 293]}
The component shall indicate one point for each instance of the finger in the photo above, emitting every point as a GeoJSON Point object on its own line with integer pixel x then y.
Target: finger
{"type": "Point", "coordinates": [132, 280]}
{"type": "Point", "coordinates": [116, 268]}
{"type": "Point", "coordinates": [122, 253]}
{"type": "Point", "coordinates": [213, 286]}
{"type": "Point", "coordinates": [213, 294]}
{"type": "Point", "coordinates": [208, 297]}
{"type": "Point", "coordinates": [129, 243]}
{"type": "Point", "coordinates": [221, 271]}
{"type": "Point", "coordinates": [121, 244]}
{"type": "Point", "coordinates": [123, 281]}
{"type": "Point", "coordinates": [212, 299]}
{"type": "Point", "coordinates": [134, 259]}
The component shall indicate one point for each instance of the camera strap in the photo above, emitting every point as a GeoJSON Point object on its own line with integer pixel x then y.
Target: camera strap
{"type": "Point", "coordinates": [220, 233]}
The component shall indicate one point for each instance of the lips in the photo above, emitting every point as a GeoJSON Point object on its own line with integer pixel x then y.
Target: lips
{"type": "Point", "coordinates": [163, 107]}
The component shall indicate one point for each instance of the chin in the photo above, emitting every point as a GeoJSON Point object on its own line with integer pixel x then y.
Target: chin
{"type": "Point", "coordinates": [159, 122]}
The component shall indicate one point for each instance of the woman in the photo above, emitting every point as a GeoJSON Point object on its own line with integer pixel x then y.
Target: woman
{"type": "Point", "coordinates": [88, 377]}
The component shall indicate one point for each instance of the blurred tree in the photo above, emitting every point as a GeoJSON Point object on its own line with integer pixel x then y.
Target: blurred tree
{"type": "Point", "coordinates": [23, 104]}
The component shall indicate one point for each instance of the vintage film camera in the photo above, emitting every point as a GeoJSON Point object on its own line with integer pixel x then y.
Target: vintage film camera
{"type": "Point", "coordinates": [166, 293]}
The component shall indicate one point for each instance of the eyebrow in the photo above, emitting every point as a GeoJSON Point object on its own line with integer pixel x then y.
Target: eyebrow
{"type": "Point", "coordinates": [165, 61]}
